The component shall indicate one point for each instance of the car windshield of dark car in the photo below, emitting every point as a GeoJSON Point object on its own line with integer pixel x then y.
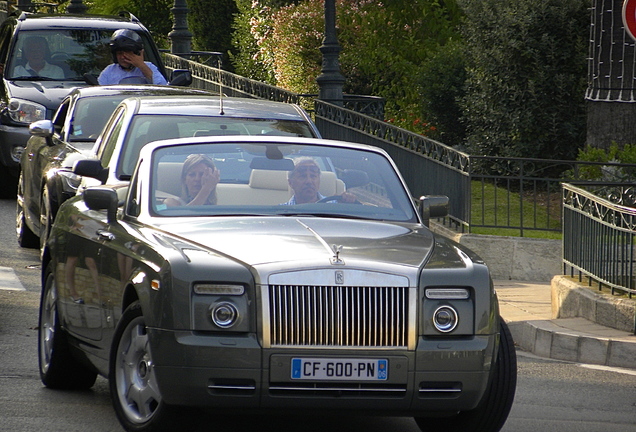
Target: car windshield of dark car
{"type": "Point", "coordinates": [59, 54]}
{"type": "Point", "coordinates": [147, 128]}
{"type": "Point", "coordinates": [339, 182]}
{"type": "Point", "coordinates": [91, 114]}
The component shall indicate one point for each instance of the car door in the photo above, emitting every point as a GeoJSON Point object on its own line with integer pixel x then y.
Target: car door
{"type": "Point", "coordinates": [81, 284]}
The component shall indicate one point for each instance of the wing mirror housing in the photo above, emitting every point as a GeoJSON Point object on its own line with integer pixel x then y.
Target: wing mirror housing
{"type": "Point", "coordinates": [42, 128]}
{"type": "Point", "coordinates": [102, 198]}
{"type": "Point", "coordinates": [433, 206]}
{"type": "Point", "coordinates": [91, 168]}
{"type": "Point", "coordinates": [181, 77]}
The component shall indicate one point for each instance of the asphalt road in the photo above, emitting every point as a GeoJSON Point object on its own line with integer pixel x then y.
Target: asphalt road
{"type": "Point", "coordinates": [551, 396]}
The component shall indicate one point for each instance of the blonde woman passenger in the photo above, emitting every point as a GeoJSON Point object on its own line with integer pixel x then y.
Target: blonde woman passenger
{"type": "Point", "coordinates": [199, 177]}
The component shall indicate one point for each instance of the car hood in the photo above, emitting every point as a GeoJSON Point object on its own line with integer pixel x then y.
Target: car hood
{"type": "Point", "coordinates": [47, 93]}
{"type": "Point", "coordinates": [302, 241]}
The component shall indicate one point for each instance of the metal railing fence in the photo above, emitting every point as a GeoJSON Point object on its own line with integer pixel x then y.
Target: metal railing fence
{"type": "Point", "coordinates": [516, 194]}
{"type": "Point", "coordinates": [599, 235]}
{"type": "Point", "coordinates": [217, 80]}
{"type": "Point", "coordinates": [429, 167]}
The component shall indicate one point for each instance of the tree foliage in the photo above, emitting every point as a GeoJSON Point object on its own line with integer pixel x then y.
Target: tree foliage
{"type": "Point", "coordinates": [154, 14]}
{"type": "Point", "coordinates": [526, 71]}
{"type": "Point", "coordinates": [210, 22]}
{"type": "Point", "coordinates": [496, 77]}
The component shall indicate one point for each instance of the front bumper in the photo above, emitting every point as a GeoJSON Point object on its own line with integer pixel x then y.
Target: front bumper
{"type": "Point", "coordinates": [233, 372]}
{"type": "Point", "coordinates": [13, 140]}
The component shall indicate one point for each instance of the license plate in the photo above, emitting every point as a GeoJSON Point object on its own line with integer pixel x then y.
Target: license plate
{"type": "Point", "coordinates": [340, 369]}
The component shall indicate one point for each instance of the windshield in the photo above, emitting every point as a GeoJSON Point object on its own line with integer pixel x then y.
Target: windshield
{"type": "Point", "coordinates": [59, 54]}
{"type": "Point", "coordinates": [147, 128]}
{"type": "Point", "coordinates": [283, 179]}
{"type": "Point", "coordinates": [91, 115]}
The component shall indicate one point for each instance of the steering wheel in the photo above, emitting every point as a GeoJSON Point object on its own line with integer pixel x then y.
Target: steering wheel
{"type": "Point", "coordinates": [337, 198]}
{"type": "Point", "coordinates": [330, 198]}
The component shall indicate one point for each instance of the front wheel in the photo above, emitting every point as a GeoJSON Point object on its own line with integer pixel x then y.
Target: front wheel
{"type": "Point", "coordinates": [133, 382]}
{"type": "Point", "coordinates": [494, 407]}
{"type": "Point", "coordinates": [58, 368]}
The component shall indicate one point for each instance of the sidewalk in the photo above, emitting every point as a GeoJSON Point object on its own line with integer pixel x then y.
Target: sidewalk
{"type": "Point", "coordinates": [527, 308]}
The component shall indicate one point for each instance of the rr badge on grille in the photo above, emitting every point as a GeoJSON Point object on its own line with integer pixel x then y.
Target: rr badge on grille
{"type": "Point", "coordinates": [339, 277]}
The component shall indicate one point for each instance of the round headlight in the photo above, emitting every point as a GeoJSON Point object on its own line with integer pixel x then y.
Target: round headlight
{"type": "Point", "coordinates": [445, 319]}
{"type": "Point", "coordinates": [224, 314]}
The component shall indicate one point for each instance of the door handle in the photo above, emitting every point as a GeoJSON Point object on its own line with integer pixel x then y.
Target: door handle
{"type": "Point", "coordinates": [105, 235]}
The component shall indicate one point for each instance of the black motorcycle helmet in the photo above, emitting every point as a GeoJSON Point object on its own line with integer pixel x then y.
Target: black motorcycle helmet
{"type": "Point", "coordinates": [125, 40]}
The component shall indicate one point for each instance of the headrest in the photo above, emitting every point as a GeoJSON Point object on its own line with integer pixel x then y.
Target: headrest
{"type": "Point", "coordinates": [269, 179]}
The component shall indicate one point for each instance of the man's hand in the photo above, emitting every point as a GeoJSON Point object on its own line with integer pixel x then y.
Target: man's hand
{"type": "Point", "coordinates": [136, 60]}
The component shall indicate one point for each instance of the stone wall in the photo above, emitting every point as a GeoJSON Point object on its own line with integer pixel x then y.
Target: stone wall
{"type": "Point", "coordinates": [513, 258]}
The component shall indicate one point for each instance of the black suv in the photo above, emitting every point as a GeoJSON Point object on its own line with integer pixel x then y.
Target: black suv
{"type": "Point", "coordinates": [76, 44]}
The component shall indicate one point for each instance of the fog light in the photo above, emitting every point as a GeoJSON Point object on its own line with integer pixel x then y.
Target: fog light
{"type": "Point", "coordinates": [224, 314]}
{"type": "Point", "coordinates": [445, 319]}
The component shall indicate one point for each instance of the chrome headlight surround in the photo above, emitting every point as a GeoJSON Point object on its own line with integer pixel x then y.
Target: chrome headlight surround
{"type": "Point", "coordinates": [448, 311]}
{"type": "Point", "coordinates": [220, 307]}
{"type": "Point", "coordinates": [445, 319]}
{"type": "Point", "coordinates": [224, 314]}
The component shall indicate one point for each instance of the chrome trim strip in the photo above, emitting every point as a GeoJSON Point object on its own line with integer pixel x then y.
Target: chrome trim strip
{"type": "Point", "coordinates": [439, 390]}
{"type": "Point", "coordinates": [231, 387]}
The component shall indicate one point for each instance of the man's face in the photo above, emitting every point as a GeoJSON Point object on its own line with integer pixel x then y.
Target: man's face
{"type": "Point", "coordinates": [305, 181]}
{"type": "Point", "coordinates": [124, 58]}
{"type": "Point", "coordinates": [35, 51]}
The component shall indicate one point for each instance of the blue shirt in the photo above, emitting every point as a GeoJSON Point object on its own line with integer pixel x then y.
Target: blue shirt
{"type": "Point", "coordinates": [115, 74]}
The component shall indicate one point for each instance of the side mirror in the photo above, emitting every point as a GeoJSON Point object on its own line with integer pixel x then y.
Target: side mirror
{"type": "Point", "coordinates": [42, 128]}
{"type": "Point", "coordinates": [91, 168]}
{"type": "Point", "coordinates": [433, 206]}
{"type": "Point", "coordinates": [181, 77]}
{"type": "Point", "coordinates": [91, 79]}
{"type": "Point", "coordinates": [102, 198]}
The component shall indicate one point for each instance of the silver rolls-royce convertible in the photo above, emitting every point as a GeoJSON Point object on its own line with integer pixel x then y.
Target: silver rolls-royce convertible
{"type": "Point", "coordinates": [271, 274]}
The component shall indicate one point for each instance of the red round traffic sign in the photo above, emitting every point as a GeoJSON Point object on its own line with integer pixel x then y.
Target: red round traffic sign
{"type": "Point", "coordinates": [629, 17]}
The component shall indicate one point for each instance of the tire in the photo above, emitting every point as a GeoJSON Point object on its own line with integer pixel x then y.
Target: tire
{"type": "Point", "coordinates": [493, 409]}
{"type": "Point", "coordinates": [133, 383]}
{"type": "Point", "coordinates": [58, 368]}
{"type": "Point", "coordinates": [26, 237]}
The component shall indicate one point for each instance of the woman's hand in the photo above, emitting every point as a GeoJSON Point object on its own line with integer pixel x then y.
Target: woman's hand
{"type": "Point", "coordinates": [210, 179]}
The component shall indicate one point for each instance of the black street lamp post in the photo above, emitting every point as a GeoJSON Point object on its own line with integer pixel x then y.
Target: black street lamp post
{"type": "Point", "coordinates": [76, 7]}
{"type": "Point", "coordinates": [25, 5]}
{"type": "Point", "coordinates": [330, 80]}
{"type": "Point", "coordinates": [180, 35]}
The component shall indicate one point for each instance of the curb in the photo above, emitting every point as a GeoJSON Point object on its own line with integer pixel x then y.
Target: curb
{"type": "Point", "coordinates": [550, 339]}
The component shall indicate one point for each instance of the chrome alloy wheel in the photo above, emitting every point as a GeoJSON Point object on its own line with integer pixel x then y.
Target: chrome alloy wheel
{"type": "Point", "coordinates": [136, 383]}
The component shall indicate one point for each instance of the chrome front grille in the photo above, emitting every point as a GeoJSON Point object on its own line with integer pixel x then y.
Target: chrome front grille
{"type": "Point", "coordinates": [338, 316]}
